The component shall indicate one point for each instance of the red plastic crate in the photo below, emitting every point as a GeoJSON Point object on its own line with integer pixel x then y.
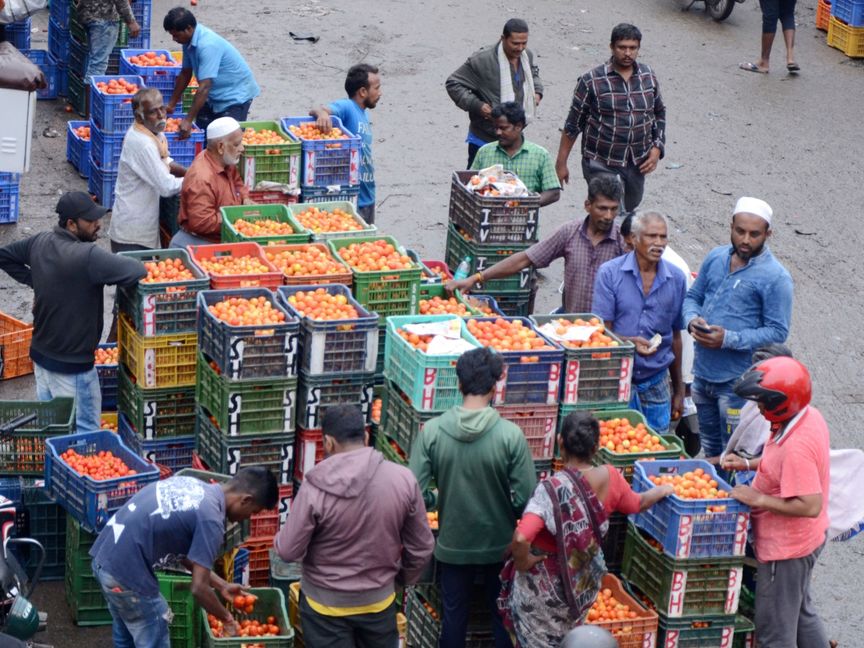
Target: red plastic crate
{"type": "Point", "coordinates": [538, 423]}
{"type": "Point", "coordinates": [259, 560]}
{"type": "Point", "coordinates": [268, 522]}
{"type": "Point", "coordinates": [271, 279]}
{"type": "Point", "coordinates": [309, 450]}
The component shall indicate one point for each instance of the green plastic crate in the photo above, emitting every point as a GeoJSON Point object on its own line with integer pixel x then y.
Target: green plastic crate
{"type": "Point", "coordinates": [83, 593]}
{"type": "Point", "coordinates": [78, 95]}
{"type": "Point", "coordinates": [382, 445]}
{"type": "Point", "coordinates": [399, 420]}
{"type": "Point", "coordinates": [515, 303]}
{"type": "Point", "coordinates": [23, 452]}
{"type": "Point", "coordinates": [395, 292]}
{"type": "Point", "coordinates": [484, 257]}
{"type": "Point", "coordinates": [424, 629]}
{"type": "Point", "coordinates": [745, 633]}
{"type": "Point", "coordinates": [188, 97]}
{"type": "Point", "coordinates": [279, 163]}
{"type": "Point", "coordinates": [714, 630]}
{"type": "Point", "coordinates": [316, 393]}
{"type": "Point", "coordinates": [185, 627]}
{"type": "Point", "coordinates": [344, 205]}
{"type": "Point", "coordinates": [235, 532]}
{"type": "Point", "coordinates": [45, 521]}
{"type": "Point", "coordinates": [693, 587]}
{"type": "Point", "coordinates": [271, 602]}
{"type": "Point", "coordinates": [275, 212]}
{"type": "Point", "coordinates": [156, 413]}
{"type": "Point", "coordinates": [261, 406]}
{"type": "Point", "coordinates": [624, 462]}
{"type": "Point", "coordinates": [282, 574]}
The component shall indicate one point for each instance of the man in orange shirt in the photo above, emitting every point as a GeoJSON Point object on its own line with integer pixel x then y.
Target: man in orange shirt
{"type": "Point", "coordinates": [789, 498]}
{"type": "Point", "coordinates": [211, 182]}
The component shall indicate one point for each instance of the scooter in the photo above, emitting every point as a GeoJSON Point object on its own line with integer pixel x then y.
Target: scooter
{"type": "Point", "coordinates": [719, 10]}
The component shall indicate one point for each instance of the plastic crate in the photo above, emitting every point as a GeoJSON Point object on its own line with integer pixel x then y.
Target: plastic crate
{"type": "Point", "coordinates": [613, 543]}
{"type": "Point", "coordinates": [271, 602]}
{"type": "Point", "coordinates": [528, 382]}
{"type": "Point", "coordinates": [745, 633]}
{"type": "Point", "coordinates": [518, 303]}
{"type": "Point", "coordinates": [283, 574]}
{"type": "Point", "coordinates": [58, 40]}
{"type": "Point", "coordinates": [23, 452]}
{"type": "Point", "coordinates": [161, 77]}
{"type": "Point", "coordinates": [847, 39]}
{"type": "Point", "coordinates": [80, 31]}
{"type": "Point", "coordinates": [328, 162]}
{"type": "Point", "coordinates": [228, 454]}
{"type": "Point", "coordinates": [850, 12]}
{"type": "Point", "coordinates": [539, 425]}
{"type": "Point", "coordinates": [395, 292]}
{"type": "Point", "coordinates": [399, 420]}
{"type": "Point", "coordinates": [687, 528]}
{"type": "Point", "coordinates": [156, 413]}
{"type": "Point", "coordinates": [682, 588]}
{"type": "Point", "coordinates": [108, 381]}
{"type": "Point", "coordinates": [62, 79]}
{"type": "Point", "coordinates": [235, 532]}
{"type": "Point", "coordinates": [626, 462]}
{"type": "Point", "coordinates": [429, 381]}
{"type": "Point", "coordinates": [15, 337]}
{"type": "Point", "coordinates": [101, 184]}
{"type": "Point", "coordinates": [184, 151]}
{"type": "Point", "coordinates": [9, 198]}
{"type": "Point", "coordinates": [493, 219]}
{"type": "Point", "coordinates": [274, 197]}
{"type": "Point", "coordinates": [112, 112]}
{"type": "Point", "coordinates": [78, 96]}
{"type": "Point", "coordinates": [338, 346]}
{"type": "Point", "coordinates": [344, 205]}
{"type": "Point", "coordinates": [89, 501]}
{"type": "Point", "coordinates": [385, 445]}
{"type": "Point", "coordinates": [105, 148]}
{"type": "Point", "coordinates": [276, 163]}
{"type": "Point", "coordinates": [240, 571]}
{"type": "Point", "coordinates": [185, 626]}
{"type": "Point", "coordinates": [265, 406]}
{"type": "Point", "coordinates": [45, 521]}
{"type": "Point", "coordinates": [484, 257]}
{"type": "Point", "coordinates": [174, 453]}
{"type": "Point", "coordinates": [157, 361]}
{"type": "Point", "coordinates": [595, 378]}
{"type": "Point", "coordinates": [163, 308]}
{"type": "Point", "coordinates": [77, 149]}
{"type": "Point", "coordinates": [142, 10]}
{"type": "Point", "coordinates": [268, 522]}
{"type": "Point", "coordinates": [48, 65]}
{"type": "Point", "coordinates": [632, 632]}
{"type": "Point", "coordinates": [278, 213]}
{"type": "Point", "coordinates": [83, 593]}
{"type": "Point", "coordinates": [272, 278]}
{"type": "Point", "coordinates": [258, 556]}
{"type": "Point", "coordinates": [18, 33]}
{"type": "Point", "coordinates": [424, 628]}
{"type": "Point", "coordinates": [308, 451]}
{"type": "Point", "coordinates": [344, 277]}
{"type": "Point", "coordinates": [316, 393]}
{"type": "Point", "coordinates": [59, 12]}
{"type": "Point", "coordinates": [480, 305]}
{"type": "Point", "coordinates": [248, 352]}
{"type": "Point", "coordinates": [79, 58]}
{"type": "Point", "coordinates": [696, 632]}
{"type": "Point", "coordinates": [823, 13]}
{"type": "Point", "coordinates": [330, 194]}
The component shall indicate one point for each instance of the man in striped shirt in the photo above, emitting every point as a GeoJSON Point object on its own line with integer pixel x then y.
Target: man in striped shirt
{"type": "Point", "coordinates": [618, 109]}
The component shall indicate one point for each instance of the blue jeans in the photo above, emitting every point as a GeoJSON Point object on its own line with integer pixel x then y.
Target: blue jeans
{"type": "Point", "coordinates": [83, 387]}
{"type": "Point", "coordinates": [139, 621]}
{"type": "Point", "coordinates": [101, 38]}
{"type": "Point", "coordinates": [653, 397]}
{"type": "Point", "coordinates": [457, 585]}
{"type": "Point", "coordinates": [718, 409]}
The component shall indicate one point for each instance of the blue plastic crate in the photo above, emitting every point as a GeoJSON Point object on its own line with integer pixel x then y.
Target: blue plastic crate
{"type": "Point", "coordinates": [60, 12]}
{"type": "Point", "coordinates": [241, 566]}
{"type": "Point", "coordinates": [58, 41]}
{"type": "Point", "coordinates": [143, 11]}
{"type": "Point", "coordinates": [18, 33]}
{"type": "Point", "coordinates": [849, 11]}
{"type": "Point", "coordinates": [184, 151]}
{"type": "Point", "coordinates": [321, 194]}
{"type": "Point", "coordinates": [77, 149]}
{"type": "Point", "coordinates": [11, 488]}
{"type": "Point", "coordinates": [48, 65]}
{"type": "Point", "coordinates": [108, 381]}
{"type": "Point", "coordinates": [89, 501]}
{"type": "Point", "coordinates": [141, 41]}
{"type": "Point", "coordinates": [101, 184]}
{"type": "Point", "coordinates": [691, 528]}
{"type": "Point", "coordinates": [159, 77]}
{"type": "Point", "coordinates": [9, 197]}
{"type": "Point", "coordinates": [323, 164]}
{"type": "Point", "coordinates": [112, 113]}
{"type": "Point", "coordinates": [486, 301]}
{"type": "Point", "coordinates": [62, 79]}
{"type": "Point", "coordinates": [105, 148]}
{"type": "Point", "coordinates": [174, 453]}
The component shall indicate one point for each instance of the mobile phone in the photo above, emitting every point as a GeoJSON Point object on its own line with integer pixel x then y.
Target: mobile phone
{"type": "Point", "coordinates": [702, 329]}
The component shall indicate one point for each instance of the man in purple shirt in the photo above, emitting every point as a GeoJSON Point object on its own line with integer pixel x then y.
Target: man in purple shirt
{"type": "Point", "coordinates": [639, 295]}
{"type": "Point", "coordinates": [584, 244]}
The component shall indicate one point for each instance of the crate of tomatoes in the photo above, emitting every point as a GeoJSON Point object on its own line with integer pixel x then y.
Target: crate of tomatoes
{"type": "Point", "coordinates": [625, 438]}
{"type": "Point", "coordinates": [157, 67]}
{"type": "Point", "coordinates": [111, 101]}
{"type": "Point", "coordinates": [263, 224]}
{"type": "Point", "coordinates": [329, 158]}
{"type": "Point", "coordinates": [22, 452]}
{"type": "Point", "coordinates": [326, 220]}
{"type": "Point", "coordinates": [622, 616]}
{"type": "Point", "coordinates": [261, 618]}
{"type": "Point", "coordinates": [308, 264]}
{"type": "Point", "coordinates": [269, 155]}
{"type": "Point", "coordinates": [236, 265]}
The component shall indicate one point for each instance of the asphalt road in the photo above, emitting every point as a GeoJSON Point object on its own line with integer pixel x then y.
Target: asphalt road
{"type": "Point", "coordinates": [794, 141]}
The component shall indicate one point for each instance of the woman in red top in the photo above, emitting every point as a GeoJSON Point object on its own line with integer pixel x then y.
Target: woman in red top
{"type": "Point", "coordinates": [554, 575]}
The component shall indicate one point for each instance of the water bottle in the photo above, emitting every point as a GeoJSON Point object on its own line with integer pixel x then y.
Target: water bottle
{"type": "Point", "coordinates": [463, 270]}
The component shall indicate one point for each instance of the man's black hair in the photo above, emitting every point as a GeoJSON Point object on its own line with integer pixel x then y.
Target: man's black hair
{"type": "Point", "coordinates": [514, 113]}
{"type": "Point", "coordinates": [580, 434]}
{"type": "Point", "coordinates": [605, 184]}
{"type": "Point", "coordinates": [478, 371]}
{"type": "Point", "coordinates": [179, 19]}
{"type": "Point", "coordinates": [626, 225]}
{"type": "Point", "coordinates": [515, 26]}
{"type": "Point", "coordinates": [358, 77]}
{"type": "Point", "coordinates": [344, 423]}
{"type": "Point", "coordinates": [258, 482]}
{"type": "Point", "coordinates": [626, 31]}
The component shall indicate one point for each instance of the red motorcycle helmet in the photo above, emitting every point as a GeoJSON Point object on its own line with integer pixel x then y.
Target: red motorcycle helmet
{"type": "Point", "coordinates": [781, 385]}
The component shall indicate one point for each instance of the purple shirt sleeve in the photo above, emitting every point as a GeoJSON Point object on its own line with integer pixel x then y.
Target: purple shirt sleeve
{"type": "Point", "coordinates": [546, 251]}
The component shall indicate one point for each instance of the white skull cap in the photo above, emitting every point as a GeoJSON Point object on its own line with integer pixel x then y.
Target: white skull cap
{"type": "Point", "coordinates": [745, 205]}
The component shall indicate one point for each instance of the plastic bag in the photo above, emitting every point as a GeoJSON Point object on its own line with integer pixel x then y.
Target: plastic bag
{"type": "Point", "coordinates": [17, 10]}
{"type": "Point", "coordinates": [495, 181]}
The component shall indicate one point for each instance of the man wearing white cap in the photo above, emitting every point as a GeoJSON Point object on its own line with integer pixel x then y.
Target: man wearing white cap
{"type": "Point", "coordinates": [741, 300]}
{"type": "Point", "coordinates": [211, 182]}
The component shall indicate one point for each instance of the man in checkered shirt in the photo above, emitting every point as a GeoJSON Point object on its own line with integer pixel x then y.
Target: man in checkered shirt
{"type": "Point", "coordinates": [618, 109]}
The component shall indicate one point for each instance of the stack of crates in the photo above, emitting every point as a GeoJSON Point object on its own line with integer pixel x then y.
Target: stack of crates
{"type": "Point", "coordinates": [18, 33]}
{"type": "Point", "coordinates": [83, 592]}
{"type": "Point", "coordinates": [10, 191]}
{"type": "Point", "coordinates": [45, 62]}
{"type": "Point", "coordinates": [485, 230]}
{"type": "Point", "coordinates": [15, 338]}
{"type": "Point", "coordinates": [846, 27]}
{"type": "Point", "coordinates": [330, 168]}
{"type": "Point", "coordinates": [686, 556]}
{"type": "Point", "coordinates": [158, 341]}
{"type": "Point", "coordinates": [78, 146]}
{"type": "Point", "coordinates": [185, 627]}
{"type": "Point", "coordinates": [276, 162]}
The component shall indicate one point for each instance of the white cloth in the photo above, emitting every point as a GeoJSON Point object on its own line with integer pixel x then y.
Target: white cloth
{"type": "Point", "coordinates": [142, 177]}
{"type": "Point", "coordinates": [507, 92]}
{"type": "Point", "coordinates": [845, 504]}
{"type": "Point", "coordinates": [222, 127]}
{"type": "Point", "coordinates": [751, 433]}
{"type": "Point", "coordinates": [755, 206]}
{"type": "Point", "coordinates": [671, 256]}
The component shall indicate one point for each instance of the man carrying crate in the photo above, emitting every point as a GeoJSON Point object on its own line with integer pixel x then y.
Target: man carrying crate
{"type": "Point", "coordinates": [68, 274]}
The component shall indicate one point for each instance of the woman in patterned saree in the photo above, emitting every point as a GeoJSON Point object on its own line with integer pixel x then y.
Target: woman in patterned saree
{"type": "Point", "coordinates": [557, 565]}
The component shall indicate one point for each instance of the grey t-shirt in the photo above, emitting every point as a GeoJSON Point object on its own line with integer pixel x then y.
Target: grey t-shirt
{"type": "Point", "coordinates": [177, 517]}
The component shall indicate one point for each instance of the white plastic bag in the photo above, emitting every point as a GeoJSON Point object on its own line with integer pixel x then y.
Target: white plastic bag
{"type": "Point", "coordinates": [18, 10]}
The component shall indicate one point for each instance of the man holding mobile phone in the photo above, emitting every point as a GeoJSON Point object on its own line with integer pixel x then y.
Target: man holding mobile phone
{"type": "Point", "coordinates": [741, 300]}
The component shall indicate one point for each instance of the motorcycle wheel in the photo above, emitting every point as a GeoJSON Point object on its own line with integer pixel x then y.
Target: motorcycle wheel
{"type": "Point", "coordinates": [719, 10]}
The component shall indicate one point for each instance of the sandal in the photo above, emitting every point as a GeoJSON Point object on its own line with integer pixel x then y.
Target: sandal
{"type": "Point", "coordinates": [752, 67]}
{"type": "Point", "coordinates": [793, 68]}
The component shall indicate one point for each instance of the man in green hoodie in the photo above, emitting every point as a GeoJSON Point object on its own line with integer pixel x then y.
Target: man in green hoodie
{"type": "Point", "coordinates": [485, 475]}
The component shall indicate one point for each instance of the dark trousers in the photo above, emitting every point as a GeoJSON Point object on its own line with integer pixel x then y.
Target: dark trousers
{"type": "Point", "coordinates": [206, 115]}
{"type": "Point", "coordinates": [630, 176]}
{"type": "Point", "coordinates": [367, 213]}
{"type": "Point", "coordinates": [376, 630]}
{"type": "Point", "coordinates": [457, 586]}
{"type": "Point", "coordinates": [774, 10]}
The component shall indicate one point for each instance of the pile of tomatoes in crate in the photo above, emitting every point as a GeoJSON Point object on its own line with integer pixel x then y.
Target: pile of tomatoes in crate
{"type": "Point", "coordinates": [263, 227]}
{"type": "Point", "coordinates": [239, 311]}
{"type": "Point", "coordinates": [607, 608]}
{"type": "Point", "coordinates": [153, 59]}
{"type": "Point", "coordinates": [245, 605]}
{"type": "Point", "coordinates": [243, 264]}
{"type": "Point", "coordinates": [263, 137]}
{"type": "Point", "coordinates": [508, 335]}
{"type": "Point", "coordinates": [443, 306]}
{"type": "Point", "coordinates": [621, 436]}
{"type": "Point", "coordinates": [375, 256]}
{"type": "Point", "coordinates": [166, 270]}
{"type": "Point", "coordinates": [310, 131]}
{"type": "Point", "coordinates": [598, 337]}
{"type": "Point", "coordinates": [323, 221]}
{"type": "Point", "coordinates": [305, 261]}
{"type": "Point", "coordinates": [99, 466]}
{"type": "Point", "coordinates": [107, 355]}
{"type": "Point", "coordinates": [83, 132]}
{"type": "Point", "coordinates": [693, 485]}
{"type": "Point", "coordinates": [318, 304]}
{"type": "Point", "coordinates": [118, 86]}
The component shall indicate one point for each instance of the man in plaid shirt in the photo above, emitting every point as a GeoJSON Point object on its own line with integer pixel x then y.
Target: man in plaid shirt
{"type": "Point", "coordinates": [619, 111]}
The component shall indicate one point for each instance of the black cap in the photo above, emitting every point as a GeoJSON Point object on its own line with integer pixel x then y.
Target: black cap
{"type": "Point", "coordinates": [77, 204]}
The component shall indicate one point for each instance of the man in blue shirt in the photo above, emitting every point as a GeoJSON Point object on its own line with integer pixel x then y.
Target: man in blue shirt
{"type": "Point", "coordinates": [639, 295]}
{"type": "Point", "coordinates": [226, 86]}
{"type": "Point", "coordinates": [363, 86]}
{"type": "Point", "coordinates": [741, 300]}
{"type": "Point", "coordinates": [181, 518]}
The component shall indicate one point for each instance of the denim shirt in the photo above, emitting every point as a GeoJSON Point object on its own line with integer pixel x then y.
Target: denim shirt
{"type": "Point", "coordinates": [753, 304]}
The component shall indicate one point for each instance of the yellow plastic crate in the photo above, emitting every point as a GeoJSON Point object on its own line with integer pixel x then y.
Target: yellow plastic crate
{"type": "Point", "coordinates": [158, 361]}
{"type": "Point", "coordinates": [849, 40]}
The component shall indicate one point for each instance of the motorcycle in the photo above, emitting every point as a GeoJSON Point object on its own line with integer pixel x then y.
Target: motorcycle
{"type": "Point", "coordinates": [719, 10]}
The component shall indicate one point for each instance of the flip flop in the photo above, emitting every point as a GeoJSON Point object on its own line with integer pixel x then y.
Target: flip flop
{"type": "Point", "coordinates": [793, 67]}
{"type": "Point", "coordinates": [752, 67]}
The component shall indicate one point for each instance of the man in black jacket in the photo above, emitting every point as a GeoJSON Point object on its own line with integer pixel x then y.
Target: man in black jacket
{"type": "Point", "coordinates": [68, 273]}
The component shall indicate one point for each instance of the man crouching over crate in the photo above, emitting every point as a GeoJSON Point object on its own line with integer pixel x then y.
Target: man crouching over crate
{"type": "Point", "coordinates": [178, 518]}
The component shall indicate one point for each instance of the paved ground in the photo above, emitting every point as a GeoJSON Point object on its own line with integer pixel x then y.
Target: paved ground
{"type": "Point", "coordinates": [794, 141]}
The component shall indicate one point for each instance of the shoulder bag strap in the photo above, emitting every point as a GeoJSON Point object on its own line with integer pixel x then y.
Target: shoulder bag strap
{"type": "Point", "coordinates": [563, 564]}
{"type": "Point", "coordinates": [579, 481]}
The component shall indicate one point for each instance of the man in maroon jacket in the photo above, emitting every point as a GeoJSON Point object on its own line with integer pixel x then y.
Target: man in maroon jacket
{"type": "Point", "coordinates": [359, 526]}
